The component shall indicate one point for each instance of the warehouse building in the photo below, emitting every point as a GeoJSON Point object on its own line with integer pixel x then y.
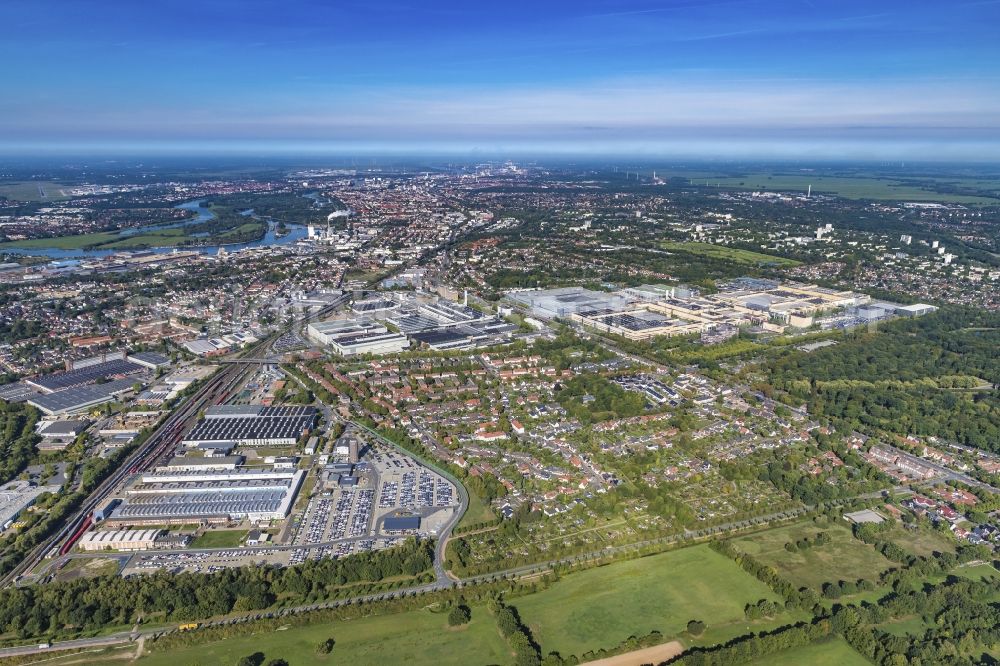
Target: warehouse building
{"type": "Point", "coordinates": [57, 435]}
{"type": "Point", "coordinates": [16, 497]}
{"type": "Point", "coordinates": [196, 464]}
{"type": "Point", "coordinates": [119, 540]}
{"type": "Point", "coordinates": [173, 496]}
{"type": "Point", "coordinates": [150, 360]}
{"type": "Point", "coordinates": [81, 398]}
{"type": "Point", "coordinates": [252, 425]}
{"type": "Point", "coordinates": [566, 301]}
{"type": "Point", "coordinates": [325, 332]}
{"type": "Point", "coordinates": [370, 343]}
{"type": "Point", "coordinates": [86, 375]}
{"type": "Point", "coordinates": [915, 310]}
{"type": "Point", "coordinates": [637, 324]}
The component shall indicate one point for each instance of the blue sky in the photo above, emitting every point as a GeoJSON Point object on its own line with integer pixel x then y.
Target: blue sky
{"type": "Point", "coordinates": [813, 78]}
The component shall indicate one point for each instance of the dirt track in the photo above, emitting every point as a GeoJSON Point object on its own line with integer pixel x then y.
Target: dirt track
{"type": "Point", "coordinates": [651, 655]}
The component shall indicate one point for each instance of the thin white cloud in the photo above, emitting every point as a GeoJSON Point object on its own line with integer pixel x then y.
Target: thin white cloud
{"type": "Point", "coordinates": [627, 113]}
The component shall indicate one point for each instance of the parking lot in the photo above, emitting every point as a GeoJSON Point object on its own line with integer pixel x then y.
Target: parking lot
{"type": "Point", "coordinates": [388, 482]}
{"type": "Point", "coordinates": [205, 562]}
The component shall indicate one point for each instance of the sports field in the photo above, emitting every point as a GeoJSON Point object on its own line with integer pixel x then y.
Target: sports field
{"type": "Point", "coordinates": [415, 638]}
{"type": "Point", "coordinates": [830, 652]}
{"type": "Point", "coordinates": [844, 558]}
{"type": "Point", "coordinates": [735, 255]}
{"type": "Point", "coordinates": [599, 608]}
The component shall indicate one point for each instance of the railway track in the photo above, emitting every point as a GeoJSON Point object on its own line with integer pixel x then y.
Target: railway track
{"type": "Point", "coordinates": [160, 443]}
{"type": "Point", "coordinates": [219, 388]}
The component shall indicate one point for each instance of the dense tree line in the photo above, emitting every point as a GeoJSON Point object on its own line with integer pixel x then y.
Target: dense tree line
{"type": "Point", "coordinates": [526, 650]}
{"type": "Point", "coordinates": [94, 603]}
{"type": "Point", "coordinates": [17, 438]}
{"type": "Point", "coordinates": [755, 646]}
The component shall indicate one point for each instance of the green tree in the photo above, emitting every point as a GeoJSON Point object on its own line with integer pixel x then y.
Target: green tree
{"type": "Point", "coordinates": [459, 615]}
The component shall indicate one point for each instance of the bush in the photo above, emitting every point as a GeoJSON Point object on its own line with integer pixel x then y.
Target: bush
{"type": "Point", "coordinates": [255, 659]}
{"type": "Point", "coordinates": [696, 627]}
{"type": "Point", "coordinates": [326, 647]}
{"type": "Point", "coordinates": [459, 615]}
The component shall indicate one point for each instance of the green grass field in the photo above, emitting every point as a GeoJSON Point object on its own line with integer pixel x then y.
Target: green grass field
{"type": "Point", "coordinates": [220, 539]}
{"type": "Point", "coordinates": [923, 541]}
{"type": "Point", "coordinates": [63, 242]}
{"type": "Point", "coordinates": [830, 652]}
{"type": "Point", "coordinates": [415, 637]}
{"type": "Point", "coordinates": [602, 607]}
{"type": "Point", "coordinates": [106, 240]}
{"type": "Point", "coordinates": [845, 558]}
{"type": "Point", "coordinates": [732, 254]}
{"type": "Point", "coordinates": [478, 511]}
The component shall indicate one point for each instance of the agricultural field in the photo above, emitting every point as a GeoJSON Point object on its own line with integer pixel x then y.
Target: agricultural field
{"type": "Point", "coordinates": [830, 652]}
{"type": "Point", "coordinates": [414, 637]}
{"type": "Point", "coordinates": [599, 608]}
{"type": "Point", "coordinates": [731, 254]}
{"type": "Point", "coordinates": [844, 558]}
{"type": "Point", "coordinates": [850, 187]}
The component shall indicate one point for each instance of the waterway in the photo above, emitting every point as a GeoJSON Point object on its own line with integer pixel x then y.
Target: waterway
{"type": "Point", "coordinates": [203, 214]}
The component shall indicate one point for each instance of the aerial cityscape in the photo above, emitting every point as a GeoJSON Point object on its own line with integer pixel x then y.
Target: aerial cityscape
{"type": "Point", "coordinates": [593, 333]}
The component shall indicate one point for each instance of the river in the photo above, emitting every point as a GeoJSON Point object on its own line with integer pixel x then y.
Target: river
{"type": "Point", "coordinates": [295, 232]}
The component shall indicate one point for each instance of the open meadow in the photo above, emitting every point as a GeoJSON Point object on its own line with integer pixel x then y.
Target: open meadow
{"type": "Point", "coordinates": [733, 254]}
{"type": "Point", "coordinates": [844, 558]}
{"type": "Point", "coordinates": [414, 637]}
{"type": "Point", "coordinates": [599, 608]}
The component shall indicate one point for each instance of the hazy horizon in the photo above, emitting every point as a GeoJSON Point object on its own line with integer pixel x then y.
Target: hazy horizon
{"type": "Point", "coordinates": [719, 79]}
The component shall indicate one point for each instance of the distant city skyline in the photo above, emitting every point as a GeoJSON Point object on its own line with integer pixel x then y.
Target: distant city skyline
{"type": "Point", "coordinates": [853, 80]}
